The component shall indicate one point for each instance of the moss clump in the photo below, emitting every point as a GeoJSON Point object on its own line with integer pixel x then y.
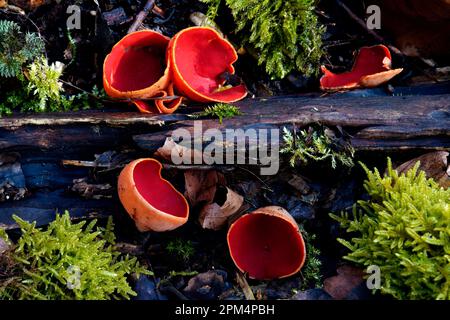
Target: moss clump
{"type": "Point", "coordinates": [29, 82]}
{"type": "Point", "coordinates": [284, 34]}
{"type": "Point", "coordinates": [404, 229]}
{"type": "Point", "coordinates": [66, 262]}
{"type": "Point", "coordinates": [311, 271]}
{"type": "Point", "coordinates": [220, 111]}
{"type": "Point", "coordinates": [317, 143]}
{"type": "Point", "coordinates": [182, 249]}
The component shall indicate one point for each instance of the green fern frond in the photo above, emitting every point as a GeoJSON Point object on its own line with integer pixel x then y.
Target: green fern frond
{"type": "Point", "coordinates": [17, 48]}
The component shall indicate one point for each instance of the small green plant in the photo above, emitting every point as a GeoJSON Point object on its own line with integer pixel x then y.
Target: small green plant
{"type": "Point", "coordinates": [317, 144]}
{"type": "Point", "coordinates": [67, 261]}
{"type": "Point", "coordinates": [17, 49]}
{"type": "Point", "coordinates": [33, 84]}
{"type": "Point", "coordinates": [220, 111]}
{"type": "Point", "coordinates": [404, 229]}
{"type": "Point", "coordinates": [44, 84]}
{"type": "Point", "coordinates": [311, 273]}
{"type": "Point", "coordinates": [284, 34]}
{"type": "Point", "coordinates": [183, 249]}
{"type": "Point", "coordinates": [182, 273]}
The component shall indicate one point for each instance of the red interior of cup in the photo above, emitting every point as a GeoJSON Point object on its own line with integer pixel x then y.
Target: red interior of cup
{"type": "Point", "coordinates": [265, 246]}
{"type": "Point", "coordinates": [201, 56]}
{"type": "Point", "coordinates": [137, 61]}
{"type": "Point", "coordinates": [157, 191]}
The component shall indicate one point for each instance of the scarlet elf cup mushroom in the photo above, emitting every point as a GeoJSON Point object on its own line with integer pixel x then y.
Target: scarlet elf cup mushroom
{"type": "Point", "coordinates": [199, 56]}
{"type": "Point", "coordinates": [267, 244]}
{"type": "Point", "coordinates": [372, 67]}
{"type": "Point", "coordinates": [152, 202]}
{"type": "Point", "coordinates": [146, 64]}
{"type": "Point", "coordinates": [137, 69]}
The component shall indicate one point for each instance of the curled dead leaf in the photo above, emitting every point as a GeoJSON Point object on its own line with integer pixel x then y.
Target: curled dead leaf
{"type": "Point", "coordinates": [201, 185]}
{"type": "Point", "coordinates": [215, 215]}
{"type": "Point", "coordinates": [171, 150]}
{"type": "Point", "coordinates": [434, 164]}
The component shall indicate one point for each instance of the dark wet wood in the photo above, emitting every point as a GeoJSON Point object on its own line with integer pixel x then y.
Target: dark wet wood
{"type": "Point", "coordinates": [376, 123]}
{"type": "Point", "coordinates": [44, 140]}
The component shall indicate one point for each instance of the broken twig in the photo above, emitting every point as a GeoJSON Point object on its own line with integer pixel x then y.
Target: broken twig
{"type": "Point", "coordinates": [248, 293]}
{"type": "Point", "coordinates": [141, 16]}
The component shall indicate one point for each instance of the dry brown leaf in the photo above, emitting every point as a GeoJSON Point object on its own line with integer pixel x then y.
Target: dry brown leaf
{"type": "Point", "coordinates": [214, 216]}
{"type": "Point", "coordinates": [201, 185]}
{"type": "Point", "coordinates": [434, 164]}
{"type": "Point", "coordinates": [340, 286]}
{"type": "Point", "coordinates": [170, 148]}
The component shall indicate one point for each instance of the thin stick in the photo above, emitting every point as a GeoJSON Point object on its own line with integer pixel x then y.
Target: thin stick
{"type": "Point", "coordinates": [79, 163]}
{"type": "Point", "coordinates": [248, 293]}
{"type": "Point", "coordinates": [364, 25]}
{"type": "Point", "coordinates": [141, 16]}
{"type": "Point", "coordinates": [382, 40]}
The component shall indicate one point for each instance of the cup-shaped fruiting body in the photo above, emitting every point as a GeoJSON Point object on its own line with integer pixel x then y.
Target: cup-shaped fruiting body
{"type": "Point", "coordinates": [199, 58]}
{"type": "Point", "coordinates": [152, 202]}
{"type": "Point", "coordinates": [372, 68]}
{"type": "Point", "coordinates": [267, 244]}
{"type": "Point", "coordinates": [137, 69]}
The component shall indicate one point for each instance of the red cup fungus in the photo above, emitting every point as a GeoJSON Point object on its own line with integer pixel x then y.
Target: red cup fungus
{"type": "Point", "coordinates": [372, 67]}
{"type": "Point", "coordinates": [152, 202]}
{"type": "Point", "coordinates": [199, 57]}
{"type": "Point", "coordinates": [136, 69]}
{"type": "Point", "coordinates": [267, 244]}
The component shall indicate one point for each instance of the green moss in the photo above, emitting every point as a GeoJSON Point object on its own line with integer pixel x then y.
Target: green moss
{"type": "Point", "coordinates": [220, 111]}
{"type": "Point", "coordinates": [404, 229]}
{"type": "Point", "coordinates": [285, 35]}
{"type": "Point", "coordinates": [32, 83]}
{"type": "Point", "coordinates": [182, 249]}
{"type": "Point", "coordinates": [317, 143]}
{"type": "Point", "coordinates": [311, 271]}
{"type": "Point", "coordinates": [67, 261]}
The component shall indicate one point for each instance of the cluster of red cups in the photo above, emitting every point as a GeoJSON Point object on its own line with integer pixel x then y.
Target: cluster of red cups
{"type": "Point", "coordinates": [146, 64]}
{"type": "Point", "coordinates": [265, 244]}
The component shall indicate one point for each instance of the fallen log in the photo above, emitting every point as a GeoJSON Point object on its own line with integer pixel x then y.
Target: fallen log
{"type": "Point", "coordinates": [375, 123]}
{"type": "Point", "coordinates": [45, 140]}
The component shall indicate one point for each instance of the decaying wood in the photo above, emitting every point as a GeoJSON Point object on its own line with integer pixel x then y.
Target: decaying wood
{"type": "Point", "coordinates": [45, 140]}
{"type": "Point", "coordinates": [376, 123]}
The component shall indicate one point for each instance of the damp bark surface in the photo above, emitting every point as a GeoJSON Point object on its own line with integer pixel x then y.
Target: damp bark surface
{"type": "Point", "coordinates": [44, 141]}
